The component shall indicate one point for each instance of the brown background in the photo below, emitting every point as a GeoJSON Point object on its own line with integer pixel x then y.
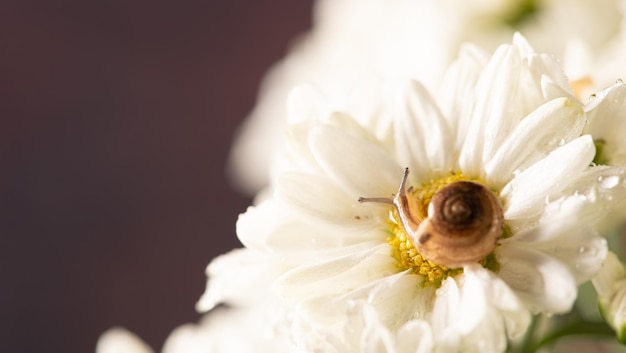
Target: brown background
{"type": "Point", "coordinates": [117, 117]}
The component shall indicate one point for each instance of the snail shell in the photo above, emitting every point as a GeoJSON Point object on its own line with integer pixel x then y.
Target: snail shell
{"type": "Point", "coordinates": [465, 221]}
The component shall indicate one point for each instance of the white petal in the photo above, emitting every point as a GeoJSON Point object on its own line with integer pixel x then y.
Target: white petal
{"type": "Point", "coordinates": [607, 122]}
{"type": "Point", "coordinates": [600, 188]}
{"type": "Point", "coordinates": [606, 111]}
{"type": "Point", "coordinates": [527, 193]}
{"type": "Point", "coordinates": [458, 88]}
{"type": "Point", "coordinates": [522, 44]}
{"type": "Point", "coordinates": [398, 298]}
{"type": "Point", "coordinates": [297, 156]}
{"type": "Point", "coordinates": [119, 340]}
{"type": "Point", "coordinates": [495, 110]}
{"type": "Point", "coordinates": [488, 337]}
{"type": "Point", "coordinates": [267, 227]}
{"type": "Point", "coordinates": [319, 200]}
{"type": "Point", "coordinates": [606, 282]}
{"type": "Point", "coordinates": [499, 296]}
{"type": "Point", "coordinates": [237, 278]}
{"type": "Point", "coordinates": [444, 315]}
{"type": "Point", "coordinates": [546, 71]}
{"type": "Point", "coordinates": [337, 276]}
{"type": "Point", "coordinates": [552, 124]}
{"type": "Point", "coordinates": [610, 284]}
{"type": "Point", "coordinates": [577, 246]}
{"type": "Point", "coordinates": [415, 337]}
{"type": "Point", "coordinates": [375, 337]}
{"type": "Point", "coordinates": [254, 226]}
{"type": "Point", "coordinates": [544, 284]}
{"type": "Point", "coordinates": [357, 166]}
{"type": "Point", "coordinates": [423, 137]}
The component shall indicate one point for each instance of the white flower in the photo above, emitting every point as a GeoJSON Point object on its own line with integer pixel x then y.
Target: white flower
{"type": "Point", "coordinates": [241, 330]}
{"type": "Point", "coordinates": [352, 40]}
{"type": "Point", "coordinates": [610, 284]}
{"type": "Point", "coordinates": [119, 340]}
{"type": "Point", "coordinates": [510, 123]}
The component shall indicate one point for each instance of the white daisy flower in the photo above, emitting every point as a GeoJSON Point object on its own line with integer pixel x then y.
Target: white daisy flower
{"type": "Point", "coordinates": [353, 39]}
{"type": "Point", "coordinates": [491, 225]}
{"type": "Point", "coordinates": [610, 284]}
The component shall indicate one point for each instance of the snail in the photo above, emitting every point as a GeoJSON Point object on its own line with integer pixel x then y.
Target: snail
{"type": "Point", "coordinates": [463, 224]}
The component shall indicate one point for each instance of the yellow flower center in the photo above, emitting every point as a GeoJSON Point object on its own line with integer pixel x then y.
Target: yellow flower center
{"type": "Point", "coordinates": [408, 258]}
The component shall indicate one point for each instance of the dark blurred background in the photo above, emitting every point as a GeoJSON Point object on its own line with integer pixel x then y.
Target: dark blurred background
{"type": "Point", "coordinates": [117, 118]}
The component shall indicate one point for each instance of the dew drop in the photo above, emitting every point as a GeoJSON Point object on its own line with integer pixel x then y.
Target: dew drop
{"type": "Point", "coordinates": [561, 142]}
{"type": "Point", "coordinates": [609, 182]}
{"type": "Point", "coordinates": [587, 250]}
{"type": "Point", "coordinates": [619, 81]}
{"type": "Point", "coordinates": [592, 96]}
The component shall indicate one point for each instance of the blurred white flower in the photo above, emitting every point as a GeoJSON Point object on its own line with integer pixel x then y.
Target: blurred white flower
{"type": "Point", "coordinates": [510, 123]}
{"type": "Point", "coordinates": [610, 284]}
{"type": "Point", "coordinates": [353, 39]}
{"type": "Point", "coordinates": [225, 330]}
{"type": "Point", "coordinates": [119, 340]}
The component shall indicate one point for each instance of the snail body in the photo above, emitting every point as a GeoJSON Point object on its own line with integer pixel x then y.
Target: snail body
{"type": "Point", "coordinates": [463, 224]}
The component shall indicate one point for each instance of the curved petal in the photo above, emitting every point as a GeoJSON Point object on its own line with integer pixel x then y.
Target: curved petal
{"type": "Point", "coordinates": [398, 298]}
{"type": "Point", "coordinates": [527, 193]}
{"type": "Point", "coordinates": [375, 337]}
{"type": "Point", "coordinates": [606, 110]}
{"type": "Point", "coordinates": [415, 336]}
{"type": "Point", "coordinates": [458, 88]}
{"type": "Point", "coordinates": [606, 283]}
{"type": "Point", "coordinates": [359, 167]}
{"type": "Point", "coordinates": [444, 315]}
{"type": "Point", "coordinates": [337, 276]}
{"type": "Point", "coordinates": [487, 337]}
{"type": "Point", "coordinates": [494, 111]}
{"type": "Point", "coordinates": [320, 201]}
{"type": "Point", "coordinates": [423, 136]}
{"type": "Point", "coordinates": [607, 122]}
{"type": "Point", "coordinates": [575, 245]}
{"type": "Point", "coordinates": [236, 278]}
{"type": "Point", "coordinates": [496, 296]}
{"type": "Point", "coordinates": [544, 284]}
{"type": "Point", "coordinates": [266, 227]}
{"type": "Point", "coordinates": [549, 126]}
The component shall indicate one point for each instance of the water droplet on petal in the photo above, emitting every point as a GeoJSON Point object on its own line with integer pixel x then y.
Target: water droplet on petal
{"type": "Point", "coordinates": [619, 81]}
{"type": "Point", "coordinates": [609, 182]}
{"type": "Point", "coordinates": [587, 250]}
